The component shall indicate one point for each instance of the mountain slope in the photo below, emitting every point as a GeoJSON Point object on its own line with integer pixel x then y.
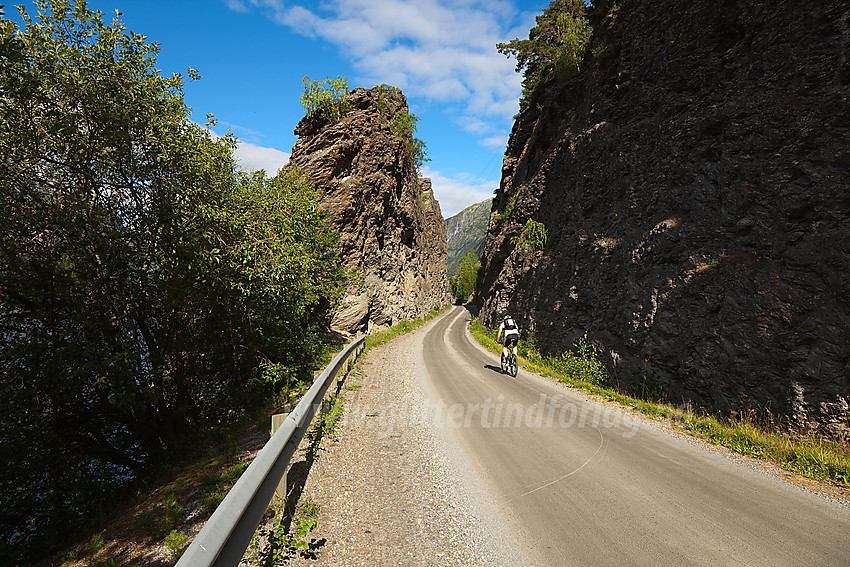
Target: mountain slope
{"type": "Point", "coordinates": [693, 185]}
{"type": "Point", "coordinates": [466, 231]}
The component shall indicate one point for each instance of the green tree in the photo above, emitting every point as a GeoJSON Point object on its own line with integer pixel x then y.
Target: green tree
{"type": "Point", "coordinates": [404, 126]}
{"type": "Point", "coordinates": [468, 278]}
{"type": "Point", "coordinates": [326, 98]}
{"type": "Point", "coordinates": [144, 282]}
{"type": "Point", "coordinates": [555, 47]}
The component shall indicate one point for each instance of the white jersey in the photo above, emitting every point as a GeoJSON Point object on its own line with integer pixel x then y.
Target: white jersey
{"type": "Point", "coordinates": [509, 332]}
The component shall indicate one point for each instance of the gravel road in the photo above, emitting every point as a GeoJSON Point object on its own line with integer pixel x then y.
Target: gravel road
{"type": "Point", "coordinates": [391, 486]}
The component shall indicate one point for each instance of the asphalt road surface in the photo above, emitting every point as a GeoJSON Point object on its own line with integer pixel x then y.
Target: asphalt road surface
{"type": "Point", "coordinates": [587, 483]}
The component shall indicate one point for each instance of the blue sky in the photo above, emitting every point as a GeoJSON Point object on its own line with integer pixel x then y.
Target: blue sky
{"type": "Point", "coordinates": [253, 54]}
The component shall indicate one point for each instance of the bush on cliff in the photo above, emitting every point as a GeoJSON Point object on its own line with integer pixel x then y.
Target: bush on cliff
{"type": "Point", "coordinates": [326, 98]}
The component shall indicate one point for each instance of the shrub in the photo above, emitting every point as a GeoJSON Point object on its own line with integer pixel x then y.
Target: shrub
{"type": "Point", "coordinates": [326, 98]}
{"type": "Point", "coordinates": [404, 126]}
{"type": "Point", "coordinates": [582, 364]}
{"type": "Point", "coordinates": [533, 236]}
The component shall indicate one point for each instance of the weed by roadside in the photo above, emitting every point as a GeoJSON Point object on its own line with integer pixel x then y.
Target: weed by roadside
{"type": "Point", "coordinates": [325, 424]}
{"type": "Point", "coordinates": [215, 488]}
{"type": "Point", "coordinates": [283, 536]}
{"type": "Point", "coordinates": [401, 328]}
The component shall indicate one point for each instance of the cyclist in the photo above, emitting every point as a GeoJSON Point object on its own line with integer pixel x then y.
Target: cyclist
{"type": "Point", "coordinates": [511, 331]}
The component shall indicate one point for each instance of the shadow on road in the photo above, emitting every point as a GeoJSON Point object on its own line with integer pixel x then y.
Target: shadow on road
{"type": "Point", "coordinates": [472, 308]}
{"type": "Point", "coordinates": [493, 368]}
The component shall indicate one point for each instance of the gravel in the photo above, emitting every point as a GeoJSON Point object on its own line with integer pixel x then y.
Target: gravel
{"type": "Point", "coordinates": [387, 484]}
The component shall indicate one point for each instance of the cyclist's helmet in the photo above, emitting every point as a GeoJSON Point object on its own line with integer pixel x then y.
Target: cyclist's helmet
{"type": "Point", "coordinates": [506, 317]}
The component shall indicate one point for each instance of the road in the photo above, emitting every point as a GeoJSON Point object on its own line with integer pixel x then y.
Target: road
{"type": "Point", "coordinates": [591, 484]}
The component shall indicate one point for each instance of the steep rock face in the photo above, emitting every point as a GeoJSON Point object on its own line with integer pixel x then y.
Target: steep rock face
{"type": "Point", "coordinates": [694, 186]}
{"type": "Point", "coordinates": [466, 231]}
{"type": "Point", "coordinates": [392, 229]}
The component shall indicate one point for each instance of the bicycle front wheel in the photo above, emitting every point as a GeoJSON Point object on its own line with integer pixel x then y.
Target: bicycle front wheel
{"type": "Point", "coordinates": [513, 365]}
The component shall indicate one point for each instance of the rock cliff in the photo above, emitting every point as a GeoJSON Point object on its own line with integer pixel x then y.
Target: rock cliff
{"type": "Point", "coordinates": [694, 187]}
{"type": "Point", "coordinates": [392, 230]}
{"type": "Point", "coordinates": [466, 231]}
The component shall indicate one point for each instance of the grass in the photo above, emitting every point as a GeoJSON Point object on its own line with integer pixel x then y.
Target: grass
{"type": "Point", "coordinates": [215, 488]}
{"type": "Point", "coordinates": [810, 455]}
{"type": "Point", "coordinates": [399, 329]}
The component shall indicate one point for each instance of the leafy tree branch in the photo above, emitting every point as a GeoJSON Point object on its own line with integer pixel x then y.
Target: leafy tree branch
{"type": "Point", "coordinates": [326, 98]}
{"type": "Point", "coordinates": [555, 48]}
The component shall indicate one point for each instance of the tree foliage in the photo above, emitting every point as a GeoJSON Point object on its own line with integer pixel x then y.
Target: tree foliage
{"type": "Point", "coordinates": [555, 47]}
{"type": "Point", "coordinates": [533, 236]}
{"type": "Point", "coordinates": [404, 126]}
{"type": "Point", "coordinates": [326, 98]}
{"type": "Point", "coordinates": [144, 282]}
{"type": "Point", "coordinates": [468, 278]}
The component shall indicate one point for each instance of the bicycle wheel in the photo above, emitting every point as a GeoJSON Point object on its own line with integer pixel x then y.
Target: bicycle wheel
{"type": "Point", "coordinates": [504, 362]}
{"type": "Point", "coordinates": [513, 365]}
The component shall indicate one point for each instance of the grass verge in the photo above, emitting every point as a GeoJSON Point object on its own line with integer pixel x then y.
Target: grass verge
{"type": "Point", "coordinates": [402, 328]}
{"type": "Point", "coordinates": [811, 455]}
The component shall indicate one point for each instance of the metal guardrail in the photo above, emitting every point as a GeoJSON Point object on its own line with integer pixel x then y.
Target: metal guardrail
{"type": "Point", "coordinates": [225, 537]}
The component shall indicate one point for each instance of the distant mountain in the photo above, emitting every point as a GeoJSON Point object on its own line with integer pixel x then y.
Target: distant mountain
{"type": "Point", "coordinates": [466, 231]}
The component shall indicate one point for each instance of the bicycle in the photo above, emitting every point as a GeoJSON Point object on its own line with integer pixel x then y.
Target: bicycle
{"type": "Point", "coordinates": [510, 365]}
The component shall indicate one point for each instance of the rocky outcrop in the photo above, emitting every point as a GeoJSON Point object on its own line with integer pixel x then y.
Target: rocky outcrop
{"type": "Point", "coordinates": [392, 230]}
{"type": "Point", "coordinates": [466, 231]}
{"type": "Point", "coordinates": [694, 187]}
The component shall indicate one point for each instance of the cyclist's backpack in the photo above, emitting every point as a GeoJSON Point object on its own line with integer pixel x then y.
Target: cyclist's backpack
{"type": "Point", "coordinates": [511, 326]}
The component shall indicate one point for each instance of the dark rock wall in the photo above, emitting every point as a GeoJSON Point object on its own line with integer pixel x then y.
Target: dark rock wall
{"type": "Point", "coordinates": [695, 186]}
{"type": "Point", "coordinates": [393, 233]}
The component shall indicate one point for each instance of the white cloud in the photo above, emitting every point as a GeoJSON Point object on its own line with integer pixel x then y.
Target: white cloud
{"type": "Point", "coordinates": [495, 142]}
{"type": "Point", "coordinates": [473, 124]}
{"type": "Point", "coordinates": [458, 192]}
{"type": "Point", "coordinates": [434, 50]}
{"type": "Point", "coordinates": [237, 6]}
{"type": "Point", "coordinates": [254, 157]}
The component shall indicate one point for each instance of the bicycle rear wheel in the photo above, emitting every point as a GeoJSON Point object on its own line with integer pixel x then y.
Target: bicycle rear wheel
{"type": "Point", "coordinates": [504, 362]}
